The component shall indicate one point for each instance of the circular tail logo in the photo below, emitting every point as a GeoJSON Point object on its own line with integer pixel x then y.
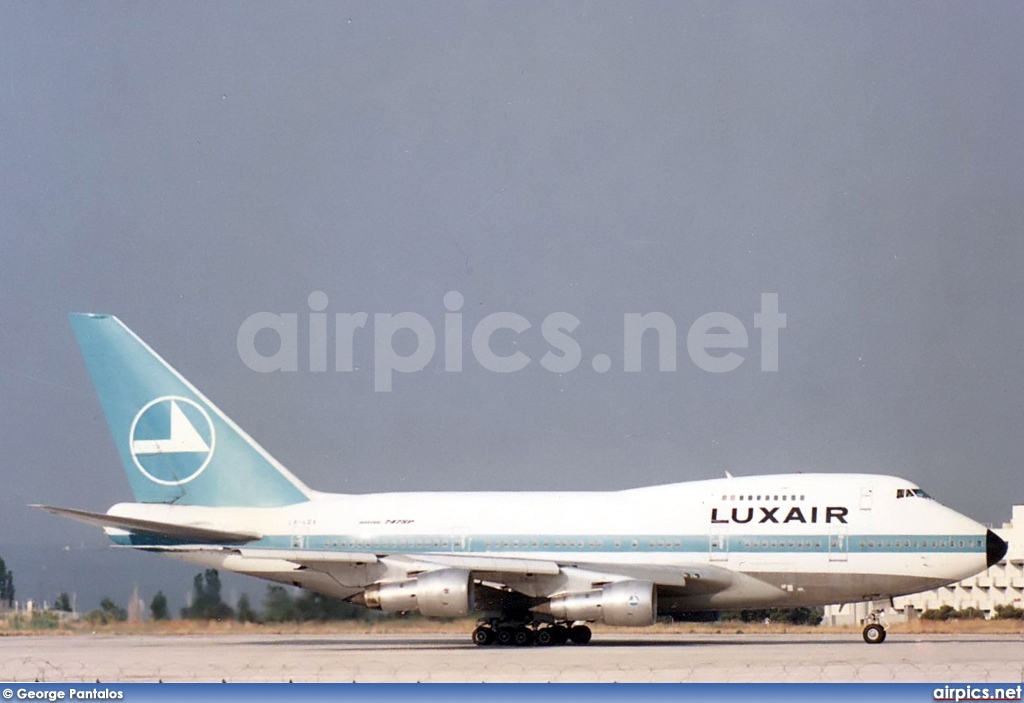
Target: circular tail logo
{"type": "Point", "coordinates": [172, 440]}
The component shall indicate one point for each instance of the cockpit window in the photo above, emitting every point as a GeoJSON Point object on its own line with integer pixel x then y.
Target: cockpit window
{"type": "Point", "coordinates": [911, 493]}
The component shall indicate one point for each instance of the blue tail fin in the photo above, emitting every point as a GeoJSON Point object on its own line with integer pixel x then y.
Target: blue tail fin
{"type": "Point", "coordinates": [177, 447]}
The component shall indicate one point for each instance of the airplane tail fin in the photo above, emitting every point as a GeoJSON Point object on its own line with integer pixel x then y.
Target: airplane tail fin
{"type": "Point", "coordinates": [176, 446]}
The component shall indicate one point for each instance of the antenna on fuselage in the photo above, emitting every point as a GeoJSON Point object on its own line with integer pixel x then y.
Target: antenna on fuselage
{"type": "Point", "coordinates": [728, 475]}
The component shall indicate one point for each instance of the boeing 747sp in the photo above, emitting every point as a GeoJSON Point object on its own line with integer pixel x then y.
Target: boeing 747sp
{"type": "Point", "coordinates": [536, 567]}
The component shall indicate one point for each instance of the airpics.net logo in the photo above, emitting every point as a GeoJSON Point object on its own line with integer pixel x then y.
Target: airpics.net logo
{"type": "Point", "coordinates": [714, 341]}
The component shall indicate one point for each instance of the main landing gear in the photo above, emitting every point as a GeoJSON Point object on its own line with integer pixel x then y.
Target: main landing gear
{"type": "Point", "coordinates": [522, 635]}
{"type": "Point", "coordinates": [874, 630]}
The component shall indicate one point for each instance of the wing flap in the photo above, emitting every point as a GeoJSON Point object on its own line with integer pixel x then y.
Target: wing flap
{"type": "Point", "coordinates": [310, 557]}
{"type": "Point", "coordinates": [153, 527]}
{"type": "Point", "coordinates": [501, 565]}
{"type": "Point", "coordinates": [295, 556]}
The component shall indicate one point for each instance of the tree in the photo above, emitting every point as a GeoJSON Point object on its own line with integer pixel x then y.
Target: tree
{"type": "Point", "coordinates": [791, 616]}
{"type": "Point", "coordinates": [63, 602]}
{"type": "Point", "coordinates": [1009, 612]}
{"type": "Point", "coordinates": [113, 610]}
{"type": "Point", "coordinates": [970, 613]}
{"type": "Point", "coordinates": [108, 612]}
{"type": "Point", "coordinates": [244, 611]}
{"type": "Point", "coordinates": [278, 606]}
{"type": "Point", "coordinates": [206, 600]}
{"type": "Point", "coordinates": [158, 607]}
{"type": "Point", "coordinates": [6, 585]}
{"type": "Point", "coordinates": [944, 613]}
{"type": "Point", "coordinates": [314, 606]}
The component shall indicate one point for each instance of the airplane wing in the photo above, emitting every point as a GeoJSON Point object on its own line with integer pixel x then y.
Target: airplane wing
{"type": "Point", "coordinates": [152, 527]}
{"type": "Point", "coordinates": [679, 579]}
{"type": "Point", "coordinates": [672, 580]}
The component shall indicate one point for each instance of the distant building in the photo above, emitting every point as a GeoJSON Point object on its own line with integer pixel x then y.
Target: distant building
{"type": "Point", "coordinates": [1002, 584]}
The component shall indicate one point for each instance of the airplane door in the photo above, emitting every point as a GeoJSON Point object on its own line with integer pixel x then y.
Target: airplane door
{"type": "Point", "coordinates": [838, 543]}
{"type": "Point", "coordinates": [718, 543]}
{"type": "Point", "coordinates": [867, 494]}
{"type": "Point", "coordinates": [460, 539]}
{"type": "Point", "coordinates": [300, 535]}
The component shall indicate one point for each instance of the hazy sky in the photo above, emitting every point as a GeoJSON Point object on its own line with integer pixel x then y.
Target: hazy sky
{"type": "Point", "coordinates": [185, 166]}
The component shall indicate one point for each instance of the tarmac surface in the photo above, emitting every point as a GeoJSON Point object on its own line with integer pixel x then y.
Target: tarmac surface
{"type": "Point", "coordinates": [452, 658]}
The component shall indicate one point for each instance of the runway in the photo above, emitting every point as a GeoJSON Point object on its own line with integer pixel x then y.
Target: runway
{"type": "Point", "coordinates": [449, 658]}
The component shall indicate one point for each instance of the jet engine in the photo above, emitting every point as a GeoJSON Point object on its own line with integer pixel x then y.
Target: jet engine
{"type": "Point", "coordinates": [620, 603]}
{"type": "Point", "coordinates": [446, 593]}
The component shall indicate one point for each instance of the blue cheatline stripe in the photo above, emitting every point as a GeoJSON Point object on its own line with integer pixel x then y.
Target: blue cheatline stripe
{"type": "Point", "coordinates": [609, 544]}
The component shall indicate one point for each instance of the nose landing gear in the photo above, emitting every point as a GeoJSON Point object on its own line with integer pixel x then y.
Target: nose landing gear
{"type": "Point", "coordinates": [874, 630]}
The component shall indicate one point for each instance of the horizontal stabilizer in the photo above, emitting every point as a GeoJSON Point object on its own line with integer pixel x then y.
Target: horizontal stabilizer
{"type": "Point", "coordinates": [153, 527]}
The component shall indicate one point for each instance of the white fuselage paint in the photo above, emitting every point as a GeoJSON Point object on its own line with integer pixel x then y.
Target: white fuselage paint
{"type": "Point", "coordinates": [793, 539]}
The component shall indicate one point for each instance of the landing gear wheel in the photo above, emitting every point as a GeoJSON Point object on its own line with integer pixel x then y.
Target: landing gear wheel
{"type": "Point", "coordinates": [559, 634]}
{"type": "Point", "coordinates": [579, 634]}
{"type": "Point", "coordinates": [522, 637]}
{"type": "Point", "coordinates": [874, 634]}
{"type": "Point", "coordinates": [505, 636]}
{"type": "Point", "coordinates": [545, 638]}
{"type": "Point", "coordinates": [483, 636]}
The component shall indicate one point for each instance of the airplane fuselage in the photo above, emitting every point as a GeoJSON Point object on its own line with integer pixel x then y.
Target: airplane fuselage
{"type": "Point", "coordinates": [803, 539]}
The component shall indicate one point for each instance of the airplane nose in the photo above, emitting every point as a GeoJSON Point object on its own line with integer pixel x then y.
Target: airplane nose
{"type": "Point", "coordinates": [995, 548]}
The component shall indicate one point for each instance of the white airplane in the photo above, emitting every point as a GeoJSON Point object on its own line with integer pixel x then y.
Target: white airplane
{"type": "Point", "coordinates": [535, 566]}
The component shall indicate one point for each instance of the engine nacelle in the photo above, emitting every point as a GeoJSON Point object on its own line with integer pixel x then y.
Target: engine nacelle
{"type": "Point", "coordinates": [446, 593]}
{"type": "Point", "coordinates": [621, 603]}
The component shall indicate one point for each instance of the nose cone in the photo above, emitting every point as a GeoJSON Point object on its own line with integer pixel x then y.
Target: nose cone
{"type": "Point", "coordinates": [995, 548]}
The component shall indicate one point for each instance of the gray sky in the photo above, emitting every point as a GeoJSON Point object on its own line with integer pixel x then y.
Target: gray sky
{"type": "Point", "coordinates": [184, 166]}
